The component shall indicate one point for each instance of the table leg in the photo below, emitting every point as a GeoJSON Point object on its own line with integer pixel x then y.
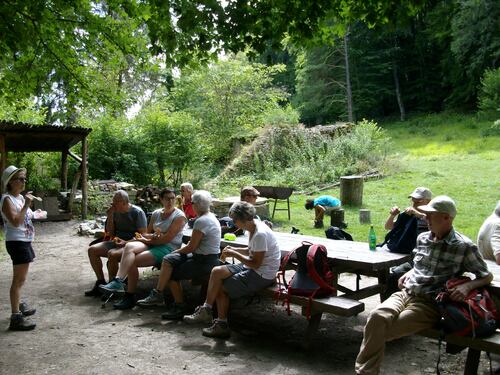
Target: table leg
{"type": "Point", "coordinates": [472, 362]}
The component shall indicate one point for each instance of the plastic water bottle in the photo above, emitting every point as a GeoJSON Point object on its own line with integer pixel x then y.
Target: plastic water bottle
{"type": "Point", "coordinates": [372, 239]}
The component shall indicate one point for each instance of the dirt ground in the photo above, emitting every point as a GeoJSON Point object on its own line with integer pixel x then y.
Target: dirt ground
{"type": "Point", "coordinates": [75, 335]}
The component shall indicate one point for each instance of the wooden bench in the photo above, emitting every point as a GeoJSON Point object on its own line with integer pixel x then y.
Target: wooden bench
{"type": "Point", "coordinates": [333, 305]}
{"type": "Point", "coordinates": [476, 346]}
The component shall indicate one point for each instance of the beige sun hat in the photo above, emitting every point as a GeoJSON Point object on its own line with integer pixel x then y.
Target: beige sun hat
{"type": "Point", "coordinates": [442, 204]}
{"type": "Point", "coordinates": [8, 173]}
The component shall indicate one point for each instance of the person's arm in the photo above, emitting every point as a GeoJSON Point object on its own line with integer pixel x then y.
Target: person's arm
{"type": "Point", "coordinates": [389, 224]}
{"type": "Point", "coordinates": [402, 279]}
{"type": "Point", "coordinates": [461, 291]}
{"type": "Point", "coordinates": [253, 262]}
{"type": "Point", "coordinates": [193, 243]}
{"type": "Point", "coordinates": [110, 223]}
{"type": "Point", "coordinates": [174, 228]}
{"type": "Point", "coordinates": [414, 212]}
{"type": "Point", "coordinates": [10, 212]}
{"type": "Point", "coordinates": [495, 243]}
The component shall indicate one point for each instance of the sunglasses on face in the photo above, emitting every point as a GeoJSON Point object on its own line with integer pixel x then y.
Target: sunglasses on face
{"type": "Point", "coordinates": [22, 179]}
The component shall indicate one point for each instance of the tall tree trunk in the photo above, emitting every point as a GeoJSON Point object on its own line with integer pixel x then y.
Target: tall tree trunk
{"type": "Point", "coordinates": [398, 91]}
{"type": "Point", "coordinates": [350, 116]}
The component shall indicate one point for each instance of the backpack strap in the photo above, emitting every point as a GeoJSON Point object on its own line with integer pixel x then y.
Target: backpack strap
{"type": "Point", "coordinates": [311, 269]}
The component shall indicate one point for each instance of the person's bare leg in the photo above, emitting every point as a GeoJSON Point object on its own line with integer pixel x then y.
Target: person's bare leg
{"type": "Point", "coordinates": [176, 290]}
{"type": "Point", "coordinates": [114, 257]}
{"type": "Point", "coordinates": [222, 304]}
{"type": "Point", "coordinates": [18, 278]}
{"type": "Point", "coordinates": [128, 257]}
{"type": "Point", "coordinates": [165, 274]}
{"type": "Point", "coordinates": [95, 253]}
{"type": "Point", "coordinates": [217, 276]}
{"type": "Point", "coordinates": [144, 259]}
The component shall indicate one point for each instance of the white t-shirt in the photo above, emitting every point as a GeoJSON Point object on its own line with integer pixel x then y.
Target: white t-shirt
{"type": "Point", "coordinates": [24, 232]}
{"type": "Point", "coordinates": [210, 227]}
{"type": "Point", "coordinates": [488, 239]}
{"type": "Point", "coordinates": [164, 224]}
{"type": "Point", "coordinates": [264, 239]}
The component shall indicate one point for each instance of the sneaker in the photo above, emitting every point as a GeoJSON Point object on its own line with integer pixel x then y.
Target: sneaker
{"type": "Point", "coordinates": [155, 298]}
{"type": "Point", "coordinates": [114, 286]}
{"type": "Point", "coordinates": [218, 330]}
{"type": "Point", "coordinates": [200, 315]}
{"type": "Point", "coordinates": [26, 310]}
{"type": "Point", "coordinates": [175, 311]}
{"type": "Point", "coordinates": [95, 292]}
{"type": "Point", "coordinates": [126, 303]}
{"type": "Point", "coordinates": [19, 322]}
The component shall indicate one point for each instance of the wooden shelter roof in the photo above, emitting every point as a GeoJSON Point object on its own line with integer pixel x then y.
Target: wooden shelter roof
{"type": "Point", "coordinates": [21, 137]}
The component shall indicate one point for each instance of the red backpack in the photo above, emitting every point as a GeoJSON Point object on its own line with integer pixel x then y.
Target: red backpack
{"type": "Point", "coordinates": [313, 277]}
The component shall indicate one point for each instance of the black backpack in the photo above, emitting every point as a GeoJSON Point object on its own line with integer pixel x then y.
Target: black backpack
{"type": "Point", "coordinates": [335, 233]}
{"type": "Point", "coordinates": [402, 238]}
{"type": "Point", "coordinates": [313, 277]}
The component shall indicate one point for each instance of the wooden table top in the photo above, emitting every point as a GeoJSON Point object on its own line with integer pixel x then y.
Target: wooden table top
{"type": "Point", "coordinates": [349, 254]}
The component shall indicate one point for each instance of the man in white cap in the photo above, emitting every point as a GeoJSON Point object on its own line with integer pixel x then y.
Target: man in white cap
{"type": "Point", "coordinates": [420, 196]}
{"type": "Point", "coordinates": [488, 239]}
{"type": "Point", "coordinates": [441, 254]}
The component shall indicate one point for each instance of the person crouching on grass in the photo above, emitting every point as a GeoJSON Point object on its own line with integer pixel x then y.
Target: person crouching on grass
{"type": "Point", "coordinates": [259, 263]}
{"type": "Point", "coordinates": [19, 233]}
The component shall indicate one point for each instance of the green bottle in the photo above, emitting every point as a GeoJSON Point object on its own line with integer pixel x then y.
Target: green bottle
{"type": "Point", "coordinates": [372, 239]}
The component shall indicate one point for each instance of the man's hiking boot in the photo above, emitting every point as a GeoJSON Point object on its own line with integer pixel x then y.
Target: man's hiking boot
{"type": "Point", "coordinates": [218, 330]}
{"type": "Point", "coordinates": [175, 311]}
{"type": "Point", "coordinates": [200, 315]}
{"type": "Point", "coordinates": [19, 322]}
{"type": "Point", "coordinates": [26, 310]}
{"type": "Point", "coordinates": [155, 298]}
{"type": "Point", "coordinates": [95, 292]}
{"type": "Point", "coordinates": [126, 303]}
{"type": "Point", "coordinates": [114, 286]}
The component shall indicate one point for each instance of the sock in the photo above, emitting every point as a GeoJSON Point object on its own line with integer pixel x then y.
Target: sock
{"type": "Point", "coordinates": [207, 305]}
{"type": "Point", "coordinates": [222, 320]}
{"type": "Point", "coordinates": [101, 282]}
{"type": "Point", "coordinates": [16, 314]}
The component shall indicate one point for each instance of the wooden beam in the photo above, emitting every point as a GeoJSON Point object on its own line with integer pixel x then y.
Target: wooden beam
{"type": "Point", "coordinates": [73, 189]}
{"type": "Point", "coordinates": [75, 156]}
{"type": "Point", "coordinates": [84, 178]}
{"type": "Point", "coordinates": [3, 151]}
{"type": "Point", "coordinates": [64, 170]}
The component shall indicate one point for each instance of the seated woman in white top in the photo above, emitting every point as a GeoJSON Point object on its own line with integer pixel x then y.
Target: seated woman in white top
{"type": "Point", "coordinates": [259, 263]}
{"type": "Point", "coordinates": [164, 236]}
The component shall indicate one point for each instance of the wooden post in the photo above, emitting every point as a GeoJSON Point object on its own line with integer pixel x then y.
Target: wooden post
{"type": "Point", "coordinates": [351, 190]}
{"type": "Point", "coordinates": [64, 170]}
{"type": "Point", "coordinates": [73, 189]}
{"type": "Point", "coordinates": [364, 216]}
{"type": "Point", "coordinates": [84, 178]}
{"type": "Point", "coordinates": [3, 151]}
{"type": "Point", "coordinates": [337, 218]}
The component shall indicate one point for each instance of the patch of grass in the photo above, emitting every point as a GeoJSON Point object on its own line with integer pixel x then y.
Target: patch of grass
{"type": "Point", "coordinates": [465, 167]}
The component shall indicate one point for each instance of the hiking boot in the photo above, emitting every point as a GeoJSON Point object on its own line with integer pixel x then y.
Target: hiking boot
{"type": "Point", "coordinates": [114, 286]}
{"type": "Point", "coordinates": [19, 322]}
{"type": "Point", "coordinates": [26, 310]}
{"type": "Point", "coordinates": [318, 224]}
{"type": "Point", "coordinates": [95, 292]}
{"type": "Point", "coordinates": [218, 330]}
{"type": "Point", "coordinates": [175, 311]}
{"type": "Point", "coordinates": [201, 315]}
{"type": "Point", "coordinates": [126, 303]}
{"type": "Point", "coordinates": [155, 298]}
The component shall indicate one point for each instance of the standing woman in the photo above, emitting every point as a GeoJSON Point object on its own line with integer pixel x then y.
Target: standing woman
{"type": "Point", "coordinates": [19, 233]}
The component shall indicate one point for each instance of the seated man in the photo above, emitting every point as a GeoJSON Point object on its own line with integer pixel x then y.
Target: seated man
{"type": "Point", "coordinates": [248, 194]}
{"type": "Point", "coordinates": [488, 239]}
{"type": "Point", "coordinates": [257, 269]}
{"type": "Point", "coordinates": [419, 197]}
{"type": "Point", "coordinates": [322, 204]}
{"type": "Point", "coordinates": [123, 220]}
{"type": "Point", "coordinates": [194, 260]}
{"type": "Point", "coordinates": [441, 254]}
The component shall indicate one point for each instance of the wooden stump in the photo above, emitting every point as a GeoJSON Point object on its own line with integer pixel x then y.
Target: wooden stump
{"type": "Point", "coordinates": [337, 218]}
{"type": "Point", "coordinates": [364, 216]}
{"type": "Point", "coordinates": [351, 190]}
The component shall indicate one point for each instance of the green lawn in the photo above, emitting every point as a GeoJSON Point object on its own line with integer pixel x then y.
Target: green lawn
{"type": "Point", "coordinates": [443, 152]}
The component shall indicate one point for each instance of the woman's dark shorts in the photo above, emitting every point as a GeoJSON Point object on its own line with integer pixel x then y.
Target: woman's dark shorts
{"type": "Point", "coordinates": [244, 281]}
{"type": "Point", "coordinates": [20, 252]}
{"type": "Point", "coordinates": [191, 266]}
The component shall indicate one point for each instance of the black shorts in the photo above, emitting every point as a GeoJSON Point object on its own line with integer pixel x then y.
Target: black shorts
{"type": "Point", "coordinates": [20, 252]}
{"type": "Point", "coordinates": [191, 266]}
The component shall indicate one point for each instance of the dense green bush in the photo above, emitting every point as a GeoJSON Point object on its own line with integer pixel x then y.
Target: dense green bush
{"type": "Point", "coordinates": [489, 94]}
{"type": "Point", "coordinates": [300, 157]}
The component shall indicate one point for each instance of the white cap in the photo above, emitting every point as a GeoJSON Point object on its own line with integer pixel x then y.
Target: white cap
{"type": "Point", "coordinates": [8, 173]}
{"type": "Point", "coordinates": [421, 193]}
{"type": "Point", "coordinates": [442, 204]}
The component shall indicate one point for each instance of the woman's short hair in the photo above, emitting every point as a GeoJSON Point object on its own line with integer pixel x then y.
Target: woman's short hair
{"type": "Point", "coordinates": [243, 211]}
{"type": "Point", "coordinates": [202, 199]}
{"type": "Point", "coordinates": [166, 191]}
{"type": "Point", "coordinates": [309, 204]}
{"type": "Point", "coordinates": [188, 186]}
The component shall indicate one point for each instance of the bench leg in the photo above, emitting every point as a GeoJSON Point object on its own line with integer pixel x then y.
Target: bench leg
{"type": "Point", "coordinates": [312, 327]}
{"type": "Point", "coordinates": [472, 362]}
